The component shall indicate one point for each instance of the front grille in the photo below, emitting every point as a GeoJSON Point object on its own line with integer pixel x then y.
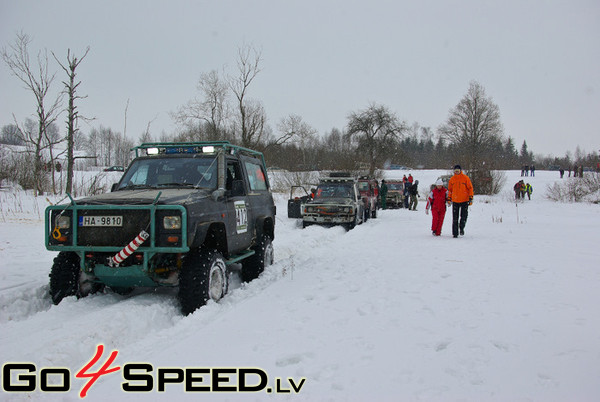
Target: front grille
{"type": "Point", "coordinates": [329, 210]}
{"type": "Point", "coordinates": [134, 221]}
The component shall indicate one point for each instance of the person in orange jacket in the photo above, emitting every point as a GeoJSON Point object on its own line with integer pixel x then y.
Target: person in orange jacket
{"type": "Point", "coordinates": [460, 194]}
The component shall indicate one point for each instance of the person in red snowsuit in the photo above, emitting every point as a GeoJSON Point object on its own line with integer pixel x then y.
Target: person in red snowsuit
{"type": "Point", "coordinates": [437, 202]}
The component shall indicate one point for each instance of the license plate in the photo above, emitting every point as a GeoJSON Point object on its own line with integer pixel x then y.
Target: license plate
{"type": "Point", "coordinates": [102, 220]}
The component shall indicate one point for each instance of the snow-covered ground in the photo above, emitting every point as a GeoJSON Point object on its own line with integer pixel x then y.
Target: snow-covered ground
{"type": "Point", "coordinates": [509, 312]}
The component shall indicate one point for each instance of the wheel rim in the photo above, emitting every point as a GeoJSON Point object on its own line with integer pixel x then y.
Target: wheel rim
{"type": "Point", "coordinates": [217, 281]}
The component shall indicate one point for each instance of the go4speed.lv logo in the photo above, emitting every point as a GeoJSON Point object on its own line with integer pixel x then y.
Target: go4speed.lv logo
{"type": "Point", "coordinates": [143, 377]}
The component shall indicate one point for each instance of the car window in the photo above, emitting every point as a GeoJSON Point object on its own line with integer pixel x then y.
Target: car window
{"type": "Point", "coordinates": [256, 176]}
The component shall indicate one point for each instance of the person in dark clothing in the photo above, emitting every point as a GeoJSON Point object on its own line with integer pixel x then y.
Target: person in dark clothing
{"type": "Point", "coordinates": [383, 190]}
{"type": "Point", "coordinates": [517, 188]}
{"type": "Point", "coordinates": [413, 191]}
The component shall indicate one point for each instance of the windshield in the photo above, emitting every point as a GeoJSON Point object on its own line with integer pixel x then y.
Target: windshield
{"type": "Point", "coordinates": [363, 186]}
{"type": "Point", "coordinates": [395, 186]}
{"type": "Point", "coordinates": [153, 172]}
{"type": "Point", "coordinates": [334, 190]}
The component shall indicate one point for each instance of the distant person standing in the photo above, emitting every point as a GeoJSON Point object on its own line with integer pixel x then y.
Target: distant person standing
{"type": "Point", "coordinates": [532, 168]}
{"type": "Point", "coordinates": [383, 190]}
{"type": "Point", "coordinates": [562, 172]}
{"type": "Point", "coordinates": [528, 190]}
{"type": "Point", "coordinates": [406, 190]}
{"type": "Point", "coordinates": [413, 191]}
{"type": "Point", "coordinates": [460, 194]}
{"type": "Point", "coordinates": [517, 189]}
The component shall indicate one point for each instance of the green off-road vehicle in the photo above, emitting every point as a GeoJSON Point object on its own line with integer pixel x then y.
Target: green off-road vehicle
{"type": "Point", "coordinates": [181, 213]}
{"type": "Point", "coordinates": [337, 201]}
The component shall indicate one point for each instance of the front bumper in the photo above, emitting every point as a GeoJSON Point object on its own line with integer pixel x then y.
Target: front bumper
{"type": "Point", "coordinates": [328, 219]}
{"type": "Point", "coordinates": [150, 265]}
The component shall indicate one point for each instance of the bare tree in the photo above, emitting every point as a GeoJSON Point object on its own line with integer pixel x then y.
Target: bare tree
{"type": "Point", "coordinates": [11, 135]}
{"type": "Point", "coordinates": [472, 126]}
{"type": "Point", "coordinates": [374, 129]}
{"type": "Point", "coordinates": [109, 147]}
{"type": "Point", "coordinates": [38, 82]}
{"type": "Point", "coordinates": [210, 111]}
{"type": "Point", "coordinates": [125, 119]}
{"type": "Point", "coordinates": [250, 114]}
{"type": "Point", "coordinates": [72, 113]}
{"type": "Point", "coordinates": [293, 129]}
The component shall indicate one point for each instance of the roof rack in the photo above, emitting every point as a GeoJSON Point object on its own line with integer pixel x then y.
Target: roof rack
{"type": "Point", "coordinates": [340, 179]}
{"type": "Point", "coordinates": [195, 147]}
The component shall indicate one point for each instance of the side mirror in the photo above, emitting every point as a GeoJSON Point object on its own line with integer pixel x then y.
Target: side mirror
{"type": "Point", "coordinates": [114, 187]}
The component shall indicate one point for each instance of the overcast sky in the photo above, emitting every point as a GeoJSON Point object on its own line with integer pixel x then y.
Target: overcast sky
{"type": "Point", "coordinates": [538, 60]}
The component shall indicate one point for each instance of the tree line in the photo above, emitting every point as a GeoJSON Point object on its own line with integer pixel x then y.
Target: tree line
{"type": "Point", "coordinates": [373, 138]}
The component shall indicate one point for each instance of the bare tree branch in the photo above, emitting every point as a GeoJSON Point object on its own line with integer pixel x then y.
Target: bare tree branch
{"type": "Point", "coordinates": [17, 60]}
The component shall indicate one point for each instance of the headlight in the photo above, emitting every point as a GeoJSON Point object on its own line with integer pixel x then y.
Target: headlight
{"type": "Point", "coordinates": [172, 222]}
{"type": "Point", "coordinates": [63, 222]}
{"type": "Point", "coordinates": [310, 209]}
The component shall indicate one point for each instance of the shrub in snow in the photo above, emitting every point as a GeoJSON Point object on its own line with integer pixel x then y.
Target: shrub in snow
{"type": "Point", "coordinates": [586, 189]}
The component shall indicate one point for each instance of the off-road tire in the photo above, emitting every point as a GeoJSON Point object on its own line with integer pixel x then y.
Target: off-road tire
{"type": "Point", "coordinates": [203, 277]}
{"type": "Point", "coordinates": [254, 265]}
{"type": "Point", "coordinates": [66, 278]}
{"type": "Point", "coordinates": [352, 225]}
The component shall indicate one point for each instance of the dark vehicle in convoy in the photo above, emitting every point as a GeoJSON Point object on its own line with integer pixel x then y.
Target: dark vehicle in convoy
{"type": "Point", "coordinates": [181, 213]}
{"type": "Point", "coordinates": [369, 192]}
{"type": "Point", "coordinates": [337, 201]}
{"type": "Point", "coordinates": [395, 195]}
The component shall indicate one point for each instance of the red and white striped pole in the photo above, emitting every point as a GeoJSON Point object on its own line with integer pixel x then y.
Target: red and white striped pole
{"type": "Point", "coordinates": [129, 249]}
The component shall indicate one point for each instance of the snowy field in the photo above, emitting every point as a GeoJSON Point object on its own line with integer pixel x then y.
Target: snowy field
{"type": "Point", "coordinates": [385, 312]}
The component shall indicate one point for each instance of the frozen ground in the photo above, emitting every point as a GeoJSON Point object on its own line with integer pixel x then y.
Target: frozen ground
{"type": "Point", "coordinates": [509, 312]}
